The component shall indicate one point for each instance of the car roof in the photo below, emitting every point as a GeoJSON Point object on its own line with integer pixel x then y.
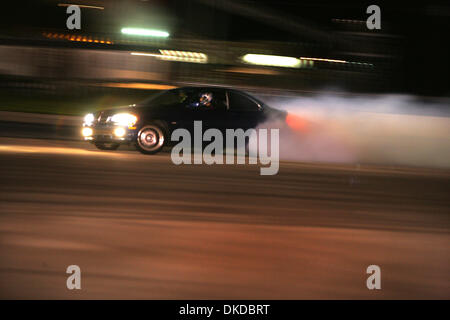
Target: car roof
{"type": "Point", "coordinates": [213, 88]}
{"type": "Point", "coordinates": [204, 87]}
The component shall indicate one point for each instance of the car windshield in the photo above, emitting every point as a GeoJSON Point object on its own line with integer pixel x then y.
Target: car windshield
{"type": "Point", "coordinates": [168, 97]}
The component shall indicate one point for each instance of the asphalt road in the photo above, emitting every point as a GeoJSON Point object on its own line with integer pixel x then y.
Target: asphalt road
{"type": "Point", "coordinates": [140, 227]}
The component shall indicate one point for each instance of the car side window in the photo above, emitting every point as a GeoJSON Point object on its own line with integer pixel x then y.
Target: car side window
{"type": "Point", "coordinates": [241, 103]}
{"type": "Point", "coordinates": [207, 100]}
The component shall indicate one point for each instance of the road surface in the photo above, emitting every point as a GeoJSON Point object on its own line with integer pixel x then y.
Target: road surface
{"type": "Point", "coordinates": [140, 227]}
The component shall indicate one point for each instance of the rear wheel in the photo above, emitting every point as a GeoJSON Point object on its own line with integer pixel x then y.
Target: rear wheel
{"type": "Point", "coordinates": [150, 139]}
{"type": "Point", "coordinates": [106, 145]}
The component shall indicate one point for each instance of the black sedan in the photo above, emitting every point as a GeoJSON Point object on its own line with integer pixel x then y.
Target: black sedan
{"type": "Point", "coordinates": [150, 123]}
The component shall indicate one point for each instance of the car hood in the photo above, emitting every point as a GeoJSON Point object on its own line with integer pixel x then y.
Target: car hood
{"type": "Point", "coordinates": [102, 116]}
{"type": "Point", "coordinates": [114, 110]}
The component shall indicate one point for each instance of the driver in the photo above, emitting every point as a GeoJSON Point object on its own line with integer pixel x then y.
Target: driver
{"type": "Point", "coordinates": [205, 99]}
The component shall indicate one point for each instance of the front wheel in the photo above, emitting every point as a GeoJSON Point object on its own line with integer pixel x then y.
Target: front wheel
{"type": "Point", "coordinates": [150, 139]}
{"type": "Point", "coordinates": [106, 145]}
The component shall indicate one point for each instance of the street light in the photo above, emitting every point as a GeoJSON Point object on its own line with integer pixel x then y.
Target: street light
{"type": "Point", "coordinates": [269, 60]}
{"type": "Point", "coordinates": [145, 32]}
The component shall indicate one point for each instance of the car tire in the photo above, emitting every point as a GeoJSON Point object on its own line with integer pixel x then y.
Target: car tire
{"type": "Point", "coordinates": [106, 145]}
{"type": "Point", "coordinates": [151, 138]}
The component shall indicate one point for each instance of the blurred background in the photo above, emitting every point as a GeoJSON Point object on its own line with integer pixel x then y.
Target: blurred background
{"type": "Point", "coordinates": [366, 182]}
{"type": "Point", "coordinates": [47, 68]}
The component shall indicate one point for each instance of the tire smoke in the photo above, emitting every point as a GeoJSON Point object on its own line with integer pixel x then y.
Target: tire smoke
{"type": "Point", "coordinates": [371, 129]}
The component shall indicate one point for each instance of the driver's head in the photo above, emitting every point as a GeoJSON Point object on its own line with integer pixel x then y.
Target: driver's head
{"type": "Point", "coordinates": [205, 99]}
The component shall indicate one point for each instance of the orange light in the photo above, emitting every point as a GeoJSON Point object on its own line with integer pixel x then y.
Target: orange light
{"type": "Point", "coordinates": [296, 123]}
{"type": "Point", "coordinates": [137, 85]}
{"type": "Point", "coordinates": [78, 38]}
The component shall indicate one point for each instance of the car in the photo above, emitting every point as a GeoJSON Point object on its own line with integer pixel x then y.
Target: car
{"type": "Point", "coordinates": [150, 123]}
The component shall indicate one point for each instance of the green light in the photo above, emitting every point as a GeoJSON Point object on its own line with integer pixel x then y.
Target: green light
{"type": "Point", "coordinates": [145, 32]}
{"type": "Point", "coordinates": [268, 60]}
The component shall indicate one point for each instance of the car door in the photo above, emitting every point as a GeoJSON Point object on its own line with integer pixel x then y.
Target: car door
{"type": "Point", "coordinates": [208, 106]}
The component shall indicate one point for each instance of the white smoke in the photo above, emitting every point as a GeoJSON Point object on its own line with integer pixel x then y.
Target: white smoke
{"type": "Point", "coordinates": [377, 129]}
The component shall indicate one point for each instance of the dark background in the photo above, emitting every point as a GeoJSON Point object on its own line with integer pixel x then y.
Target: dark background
{"type": "Point", "coordinates": [410, 52]}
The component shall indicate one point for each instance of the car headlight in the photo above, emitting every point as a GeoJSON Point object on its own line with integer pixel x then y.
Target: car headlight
{"type": "Point", "coordinates": [124, 119]}
{"type": "Point", "coordinates": [89, 119]}
{"type": "Point", "coordinates": [120, 132]}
